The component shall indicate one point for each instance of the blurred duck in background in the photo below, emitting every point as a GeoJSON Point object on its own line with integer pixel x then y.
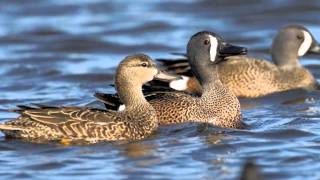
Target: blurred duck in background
{"type": "Point", "coordinates": [253, 77]}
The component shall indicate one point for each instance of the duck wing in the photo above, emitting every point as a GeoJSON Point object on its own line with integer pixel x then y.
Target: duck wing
{"type": "Point", "coordinates": [61, 115]}
{"type": "Point", "coordinates": [113, 102]}
{"type": "Point", "coordinates": [177, 66]}
{"type": "Point", "coordinates": [53, 123]}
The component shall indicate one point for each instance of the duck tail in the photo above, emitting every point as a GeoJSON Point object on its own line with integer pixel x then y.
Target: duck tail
{"type": "Point", "coordinates": [111, 101]}
{"type": "Point", "coordinates": [156, 86]}
{"type": "Point", "coordinates": [5, 127]}
{"type": "Point", "coordinates": [21, 108]}
{"type": "Point", "coordinates": [11, 131]}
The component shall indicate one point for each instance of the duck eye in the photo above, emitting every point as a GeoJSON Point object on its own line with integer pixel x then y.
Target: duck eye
{"type": "Point", "coordinates": [144, 64]}
{"type": "Point", "coordinates": [206, 42]}
{"type": "Point", "coordinates": [300, 36]}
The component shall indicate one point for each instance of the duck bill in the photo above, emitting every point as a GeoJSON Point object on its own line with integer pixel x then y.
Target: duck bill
{"type": "Point", "coordinates": [163, 76]}
{"type": "Point", "coordinates": [231, 50]}
{"type": "Point", "coordinates": [315, 48]}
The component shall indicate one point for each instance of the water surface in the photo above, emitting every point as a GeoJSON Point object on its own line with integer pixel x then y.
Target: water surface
{"type": "Point", "coordinates": [60, 52]}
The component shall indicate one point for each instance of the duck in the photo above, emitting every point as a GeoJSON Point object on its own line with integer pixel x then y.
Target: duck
{"type": "Point", "coordinates": [139, 119]}
{"type": "Point", "coordinates": [249, 77]}
{"type": "Point", "coordinates": [216, 106]}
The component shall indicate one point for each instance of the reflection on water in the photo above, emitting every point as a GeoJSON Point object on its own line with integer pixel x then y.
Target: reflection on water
{"type": "Point", "coordinates": [61, 52]}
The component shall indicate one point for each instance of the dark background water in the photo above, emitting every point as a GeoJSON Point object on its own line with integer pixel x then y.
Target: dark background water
{"type": "Point", "coordinates": [60, 52]}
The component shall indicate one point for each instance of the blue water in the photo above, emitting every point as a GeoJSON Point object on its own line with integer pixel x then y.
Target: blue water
{"type": "Point", "coordinates": [60, 52]}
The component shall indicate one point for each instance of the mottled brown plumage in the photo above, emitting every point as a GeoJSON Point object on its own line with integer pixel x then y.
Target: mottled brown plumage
{"type": "Point", "coordinates": [216, 105]}
{"type": "Point", "coordinates": [247, 77]}
{"type": "Point", "coordinates": [251, 77]}
{"type": "Point", "coordinates": [75, 123]}
{"type": "Point", "coordinates": [137, 121]}
{"type": "Point", "coordinates": [254, 77]}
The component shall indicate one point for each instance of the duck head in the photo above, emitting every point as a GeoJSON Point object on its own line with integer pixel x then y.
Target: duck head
{"type": "Point", "coordinates": [139, 69]}
{"type": "Point", "coordinates": [292, 42]}
{"type": "Point", "coordinates": [205, 50]}
{"type": "Point", "coordinates": [132, 73]}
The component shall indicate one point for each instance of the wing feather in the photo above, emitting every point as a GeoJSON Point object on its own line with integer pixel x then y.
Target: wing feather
{"type": "Point", "coordinates": [64, 115]}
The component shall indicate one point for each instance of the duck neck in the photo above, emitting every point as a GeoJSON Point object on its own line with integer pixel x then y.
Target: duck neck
{"type": "Point", "coordinates": [210, 81]}
{"type": "Point", "coordinates": [286, 62]}
{"type": "Point", "coordinates": [131, 95]}
{"type": "Point", "coordinates": [282, 56]}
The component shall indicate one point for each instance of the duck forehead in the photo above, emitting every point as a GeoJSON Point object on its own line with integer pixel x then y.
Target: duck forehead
{"type": "Point", "coordinates": [306, 44]}
{"type": "Point", "coordinates": [213, 40]}
{"type": "Point", "coordinates": [145, 58]}
{"type": "Point", "coordinates": [138, 58]}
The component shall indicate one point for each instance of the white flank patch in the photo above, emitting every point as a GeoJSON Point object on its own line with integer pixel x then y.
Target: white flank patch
{"type": "Point", "coordinates": [213, 48]}
{"type": "Point", "coordinates": [121, 107]}
{"type": "Point", "coordinates": [180, 84]}
{"type": "Point", "coordinates": [306, 44]}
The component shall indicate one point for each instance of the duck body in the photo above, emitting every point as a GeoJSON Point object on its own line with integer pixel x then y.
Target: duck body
{"type": "Point", "coordinates": [220, 108]}
{"type": "Point", "coordinates": [250, 77]}
{"type": "Point", "coordinates": [74, 123]}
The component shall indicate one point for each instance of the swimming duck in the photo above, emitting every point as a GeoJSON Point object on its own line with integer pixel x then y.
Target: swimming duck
{"type": "Point", "coordinates": [216, 106]}
{"type": "Point", "coordinates": [251, 77]}
{"type": "Point", "coordinates": [137, 121]}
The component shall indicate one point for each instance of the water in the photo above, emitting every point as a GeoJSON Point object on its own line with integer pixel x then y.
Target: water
{"type": "Point", "coordinates": [60, 52]}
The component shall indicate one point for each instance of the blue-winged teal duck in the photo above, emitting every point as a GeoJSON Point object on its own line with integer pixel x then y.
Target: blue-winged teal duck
{"type": "Point", "coordinates": [137, 121]}
{"type": "Point", "coordinates": [216, 106]}
{"type": "Point", "coordinates": [251, 77]}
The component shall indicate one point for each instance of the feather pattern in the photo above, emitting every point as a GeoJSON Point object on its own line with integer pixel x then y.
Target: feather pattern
{"type": "Point", "coordinates": [55, 123]}
{"type": "Point", "coordinates": [246, 77]}
{"type": "Point", "coordinates": [49, 123]}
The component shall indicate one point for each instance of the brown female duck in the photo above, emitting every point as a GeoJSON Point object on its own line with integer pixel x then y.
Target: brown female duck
{"type": "Point", "coordinates": [137, 121]}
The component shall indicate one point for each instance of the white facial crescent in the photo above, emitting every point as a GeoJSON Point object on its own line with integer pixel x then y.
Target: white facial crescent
{"type": "Point", "coordinates": [213, 48]}
{"type": "Point", "coordinates": [305, 44]}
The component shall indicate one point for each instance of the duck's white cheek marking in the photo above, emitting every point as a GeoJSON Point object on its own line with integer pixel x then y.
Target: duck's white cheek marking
{"type": "Point", "coordinates": [181, 84]}
{"type": "Point", "coordinates": [306, 44]}
{"type": "Point", "coordinates": [121, 107]}
{"type": "Point", "coordinates": [213, 48]}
